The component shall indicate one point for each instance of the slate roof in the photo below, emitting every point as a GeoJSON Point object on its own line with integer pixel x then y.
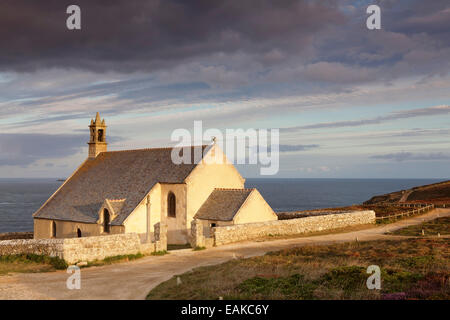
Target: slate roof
{"type": "Point", "coordinates": [116, 205]}
{"type": "Point", "coordinates": [223, 204]}
{"type": "Point", "coordinates": [127, 175]}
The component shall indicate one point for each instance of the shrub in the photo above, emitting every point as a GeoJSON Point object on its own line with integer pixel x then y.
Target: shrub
{"type": "Point", "coordinates": [55, 262]}
{"type": "Point", "coordinates": [291, 287]}
{"type": "Point", "coordinates": [159, 253]}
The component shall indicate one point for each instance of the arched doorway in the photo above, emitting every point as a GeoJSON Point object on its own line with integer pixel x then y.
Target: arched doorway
{"type": "Point", "coordinates": [78, 233]}
{"type": "Point", "coordinates": [106, 220]}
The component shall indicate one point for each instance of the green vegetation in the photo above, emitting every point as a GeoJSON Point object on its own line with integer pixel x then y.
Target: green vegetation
{"type": "Point", "coordinates": [199, 248]}
{"type": "Point", "coordinates": [159, 253]}
{"type": "Point", "coordinates": [39, 263]}
{"type": "Point", "coordinates": [430, 228]}
{"type": "Point", "coordinates": [115, 259]}
{"type": "Point", "coordinates": [30, 263]}
{"type": "Point", "coordinates": [410, 269]}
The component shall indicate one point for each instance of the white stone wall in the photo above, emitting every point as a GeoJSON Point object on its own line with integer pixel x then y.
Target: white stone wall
{"type": "Point", "coordinates": [235, 233]}
{"type": "Point", "coordinates": [74, 250]}
{"type": "Point", "coordinates": [98, 248]}
{"type": "Point", "coordinates": [48, 247]}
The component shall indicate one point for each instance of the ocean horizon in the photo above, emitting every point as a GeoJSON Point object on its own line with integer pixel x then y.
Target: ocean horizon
{"type": "Point", "coordinates": [21, 197]}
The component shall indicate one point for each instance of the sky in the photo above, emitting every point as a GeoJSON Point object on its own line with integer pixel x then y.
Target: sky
{"type": "Point", "coordinates": [349, 102]}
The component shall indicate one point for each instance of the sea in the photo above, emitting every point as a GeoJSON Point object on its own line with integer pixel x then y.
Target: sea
{"type": "Point", "coordinates": [20, 198]}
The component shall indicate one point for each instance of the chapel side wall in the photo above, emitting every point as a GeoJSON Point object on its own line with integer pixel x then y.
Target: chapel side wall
{"type": "Point", "coordinates": [255, 209]}
{"type": "Point", "coordinates": [208, 176]}
{"type": "Point", "coordinates": [177, 227]}
{"type": "Point", "coordinates": [137, 220]}
{"type": "Point", "coordinates": [68, 229]}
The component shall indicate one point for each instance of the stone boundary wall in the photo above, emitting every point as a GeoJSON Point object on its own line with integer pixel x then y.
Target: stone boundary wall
{"type": "Point", "coordinates": [48, 247]}
{"type": "Point", "coordinates": [100, 247]}
{"type": "Point", "coordinates": [16, 235]}
{"type": "Point", "coordinates": [240, 232]}
{"type": "Point", "coordinates": [74, 250]}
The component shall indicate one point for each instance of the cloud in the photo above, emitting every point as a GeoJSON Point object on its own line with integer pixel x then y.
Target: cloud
{"type": "Point", "coordinates": [148, 55]}
{"type": "Point", "coordinates": [130, 35]}
{"type": "Point", "coordinates": [313, 169]}
{"type": "Point", "coordinates": [25, 149]}
{"type": "Point", "coordinates": [336, 72]}
{"type": "Point", "coordinates": [409, 156]}
{"type": "Point", "coordinates": [297, 147]}
{"type": "Point", "coordinates": [412, 113]}
{"type": "Point", "coordinates": [282, 148]}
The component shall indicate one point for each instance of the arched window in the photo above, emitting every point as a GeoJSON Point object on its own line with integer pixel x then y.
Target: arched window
{"type": "Point", "coordinates": [171, 205]}
{"type": "Point", "coordinates": [106, 219]}
{"type": "Point", "coordinates": [79, 233]}
{"type": "Point", "coordinates": [100, 135]}
{"type": "Point", "coordinates": [53, 229]}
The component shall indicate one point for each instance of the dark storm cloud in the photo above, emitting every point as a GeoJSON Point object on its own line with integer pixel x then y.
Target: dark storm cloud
{"type": "Point", "coordinates": [211, 51]}
{"type": "Point", "coordinates": [414, 40]}
{"type": "Point", "coordinates": [134, 35]}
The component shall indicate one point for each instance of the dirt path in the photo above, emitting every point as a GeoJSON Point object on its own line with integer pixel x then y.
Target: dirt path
{"type": "Point", "coordinates": [133, 280]}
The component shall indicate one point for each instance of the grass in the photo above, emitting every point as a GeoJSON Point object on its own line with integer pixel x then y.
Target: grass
{"type": "Point", "coordinates": [115, 259]}
{"type": "Point", "coordinates": [430, 228]}
{"type": "Point", "coordinates": [197, 248]}
{"type": "Point", "coordinates": [159, 253]}
{"type": "Point", "coordinates": [25, 263]}
{"type": "Point", "coordinates": [410, 269]}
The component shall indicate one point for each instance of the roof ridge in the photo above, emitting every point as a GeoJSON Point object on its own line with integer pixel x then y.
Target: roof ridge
{"type": "Point", "coordinates": [157, 148]}
{"type": "Point", "coordinates": [235, 189]}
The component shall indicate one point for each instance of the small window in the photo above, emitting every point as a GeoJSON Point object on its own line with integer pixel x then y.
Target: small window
{"type": "Point", "coordinates": [171, 205]}
{"type": "Point", "coordinates": [213, 225]}
{"type": "Point", "coordinates": [53, 229]}
{"type": "Point", "coordinates": [78, 233]}
{"type": "Point", "coordinates": [100, 135]}
{"type": "Point", "coordinates": [106, 220]}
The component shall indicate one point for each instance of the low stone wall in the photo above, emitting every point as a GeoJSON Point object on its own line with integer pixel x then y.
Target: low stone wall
{"type": "Point", "coordinates": [240, 232]}
{"type": "Point", "coordinates": [48, 247]}
{"type": "Point", "coordinates": [16, 235]}
{"type": "Point", "coordinates": [74, 250]}
{"type": "Point", "coordinates": [100, 247]}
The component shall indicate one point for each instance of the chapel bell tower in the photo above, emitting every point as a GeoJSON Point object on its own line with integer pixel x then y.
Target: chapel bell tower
{"type": "Point", "coordinates": [97, 143]}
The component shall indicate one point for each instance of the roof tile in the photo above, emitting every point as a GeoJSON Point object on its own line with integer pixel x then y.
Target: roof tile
{"type": "Point", "coordinates": [223, 204]}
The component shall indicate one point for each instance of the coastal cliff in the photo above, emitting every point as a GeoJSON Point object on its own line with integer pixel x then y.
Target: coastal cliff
{"type": "Point", "coordinates": [437, 193]}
